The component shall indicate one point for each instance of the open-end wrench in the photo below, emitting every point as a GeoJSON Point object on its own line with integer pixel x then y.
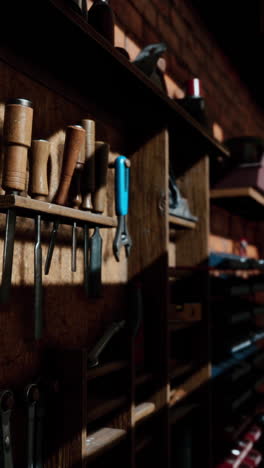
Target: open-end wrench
{"type": "Point", "coordinates": [32, 397]}
{"type": "Point", "coordinates": [122, 237]}
{"type": "Point", "coordinates": [6, 405]}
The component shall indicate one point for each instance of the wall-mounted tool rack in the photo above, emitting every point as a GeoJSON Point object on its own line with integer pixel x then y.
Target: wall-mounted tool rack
{"type": "Point", "coordinates": [29, 208]}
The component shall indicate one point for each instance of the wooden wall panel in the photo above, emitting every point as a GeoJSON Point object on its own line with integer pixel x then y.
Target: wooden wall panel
{"type": "Point", "coordinates": [71, 320]}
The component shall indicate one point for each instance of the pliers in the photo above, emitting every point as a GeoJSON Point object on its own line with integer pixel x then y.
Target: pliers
{"type": "Point", "coordinates": [122, 237]}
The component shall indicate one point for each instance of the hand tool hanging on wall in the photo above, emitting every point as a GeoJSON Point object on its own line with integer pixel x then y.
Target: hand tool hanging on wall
{"type": "Point", "coordinates": [17, 140]}
{"type": "Point", "coordinates": [32, 397]}
{"type": "Point", "coordinates": [39, 190]}
{"type": "Point", "coordinates": [75, 135]}
{"type": "Point", "coordinates": [98, 200]}
{"type": "Point", "coordinates": [6, 406]}
{"type": "Point", "coordinates": [87, 189]}
{"type": "Point", "coordinates": [76, 200]}
{"type": "Point", "coordinates": [122, 237]}
{"type": "Point", "coordinates": [93, 356]}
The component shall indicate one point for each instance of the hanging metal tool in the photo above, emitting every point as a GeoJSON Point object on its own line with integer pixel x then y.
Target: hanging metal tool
{"type": "Point", "coordinates": [122, 237]}
{"type": "Point", "coordinates": [93, 356]}
{"type": "Point", "coordinates": [98, 199]}
{"type": "Point", "coordinates": [75, 197]}
{"type": "Point", "coordinates": [6, 406]}
{"type": "Point", "coordinates": [88, 188]}
{"type": "Point", "coordinates": [17, 140]}
{"type": "Point", "coordinates": [39, 189]}
{"type": "Point", "coordinates": [32, 396]}
{"type": "Point", "coordinates": [75, 135]}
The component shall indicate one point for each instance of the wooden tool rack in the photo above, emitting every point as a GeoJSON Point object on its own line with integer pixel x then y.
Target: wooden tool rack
{"type": "Point", "coordinates": [129, 412]}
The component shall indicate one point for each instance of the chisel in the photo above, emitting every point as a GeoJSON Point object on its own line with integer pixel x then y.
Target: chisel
{"type": "Point", "coordinates": [88, 187]}
{"type": "Point", "coordinates": [76, 200]}
{"type": "Point", "coordinates": [17, 140]}
{"type": "Point", "coordinates": [39, 190]}
{"type": "Point", "coordinates": [74, 140]}
{"type": "Point", "coordinates": [98, 200]}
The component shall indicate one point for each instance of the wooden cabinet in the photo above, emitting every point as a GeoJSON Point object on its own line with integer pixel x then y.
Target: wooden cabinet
{"type": "Point", "coordinates": [153, 378]}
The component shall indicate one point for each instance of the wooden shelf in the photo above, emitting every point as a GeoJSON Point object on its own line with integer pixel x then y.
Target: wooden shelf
{"type": "Point", "coordinates": [100, 441]}
{"type": "Point", "coordinates": [47, 60]}
{"type": "Point", "coordinates": [175, 325]}
{"type": "Point", "coordinates": [99, 408]}
{"type": "Point", "coordinates": [245, 201]}
{"type": "Point", "coordinates": [105, 369]}
{"type": "Point", "coordinates": [142, 379]}
{"type": "Point", "coordinates": [179, 413]}
{"type": "Point", "coordinates": [30, 208]}
{"type": "Point", "coordinates": [191, 384]}
{"type": "Point", "coordinates": [143, 410]}
{"type": "Point", "coordinates": [181, 223]}
{"type": "Point", "coordinates": [177, 370]}
{"type": "Point", "coordinates": [143, 443]}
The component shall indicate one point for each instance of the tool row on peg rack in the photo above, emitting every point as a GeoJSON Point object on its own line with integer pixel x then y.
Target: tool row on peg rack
{"type": "Point", "coordinates": [32, 403]}
{"type": "Point", "coordinates": [79, 200]}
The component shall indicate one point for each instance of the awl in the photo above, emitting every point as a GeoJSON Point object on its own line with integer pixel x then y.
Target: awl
{"type": "Point", "coordinates": [39, 190]}
{"type": "Point", "coordinates": [17, 140]}
{"type": "Point", "coordinates": [74, 140]}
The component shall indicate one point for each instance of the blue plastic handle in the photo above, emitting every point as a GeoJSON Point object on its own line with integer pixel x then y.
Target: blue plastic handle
{"type": "Point", "coordinates": [122, 173]}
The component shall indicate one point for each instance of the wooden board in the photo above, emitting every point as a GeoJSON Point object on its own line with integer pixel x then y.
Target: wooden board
{"type": "Point", "coordinates": [99, 441]}
{"type": "Point", "coordinates": [175, 221]}
{"type": "Point", "coordinates": [29, 207]}
{"type": "Point", "coordinates": [244, 201]}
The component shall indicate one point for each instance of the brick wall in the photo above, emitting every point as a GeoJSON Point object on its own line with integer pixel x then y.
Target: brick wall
{"type": "Point", "coordinates": [192, 52]}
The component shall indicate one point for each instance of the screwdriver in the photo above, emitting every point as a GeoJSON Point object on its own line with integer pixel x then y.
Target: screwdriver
{"type": "Point", "coordinates": [88, 188]}
{"type": "Point", "coordinates": [39, 189]}
{"type": "Point", "coordinates": [98, 200]}
{"type": "Point", "coordinates": [74, 140]}
{"type": "Point", "coordinates": [17, 133]}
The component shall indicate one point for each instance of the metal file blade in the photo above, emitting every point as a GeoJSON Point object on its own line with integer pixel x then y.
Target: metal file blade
{"type": "Point", "coordinates": [51, 245]}
{"type": "Point", "coordinates": [95, 270]}
{"type": "Point", "coordinates": [38, 280]}
{"type": "Point", "coordinates": [8, 254]}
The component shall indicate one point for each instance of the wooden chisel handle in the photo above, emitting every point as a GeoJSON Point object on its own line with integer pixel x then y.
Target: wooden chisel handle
{"type": "Point", "coordinates": [101, 165]}
{"type": "Point", "coordinates": [75, 189]}
{"type": "Point", "coordinates": [75, 135]}
{"type": "Point", "coordinates": [17, 134]}
{"type": "Point", "coordinates": [40, 152]}
{"type": "Point", "coordinates": [89, 164]}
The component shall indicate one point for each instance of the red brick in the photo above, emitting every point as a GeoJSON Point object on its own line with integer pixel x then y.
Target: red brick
{"type": "Point", "coordinates": [178, 23]}
{"type": "Point", "coordinates": [150, 36]}
{"type": "Point", "coordinates": [162, 6]}
{"type": "Point", "coordinates": [168, 35]}
{"type": "Point", "coordinates": [128, 16]}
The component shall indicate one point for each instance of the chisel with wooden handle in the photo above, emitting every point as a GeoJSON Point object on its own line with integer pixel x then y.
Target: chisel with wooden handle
{"type": "Point", "coordinates": [39, 189]}
{"type": "Point", "coordinates": [88, 187]}
{"type": "Point", "coordinates": [76, 200]}
{"type": "Point", "coordinates": [98, 200]}
{"type": "Point", "coordinates": [17, 134]}
{"type": "Point", "coordinates": [74, 140]}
